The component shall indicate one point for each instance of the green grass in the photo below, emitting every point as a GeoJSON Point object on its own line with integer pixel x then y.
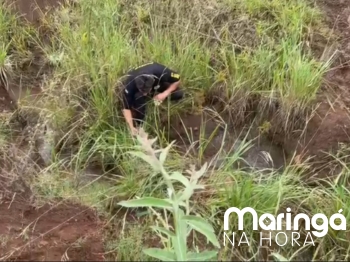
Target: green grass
{"type": "Point", "coordinates": [251, 54]}
{"type": "Point", "coordinates": [278, 67]}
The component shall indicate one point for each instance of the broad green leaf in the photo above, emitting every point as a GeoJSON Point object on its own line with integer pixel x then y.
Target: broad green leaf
{"type": "Point", "coordinates": [206, 255]}
{"type": "Point", "coordinates": [199, 219]}
{"type": "Point", "coordinates": [178, 201]}
{"type": "Point", "coordinates": [164, 231]}
{"type": "Point", "coordinates": [180, 177]}
{"type": "Point", "coordinates": [165, 152]}
{"type": "Point", "coordinates": [179, 241]}
{"type": "Point", "coordinates": [202, 227]}
{"type": "Point", "coordinates": [161, 254]}
{"type": "Point", "coordinates": [177, 196]}
{"type": "Point", "coordinates": [187, 193]}
{"type": "Point", "coordinates": [146, 158]}
{"type": "Point", "coordinates": [189, 190]}
{"type": "Point", "coordinates": [147, 202]}
{"type": "Point", "coordinates": [181, 203]}
{"type": "Point", "coordinates": [143, 213]}
{"type": "Point", "coordinates": [184, 228]}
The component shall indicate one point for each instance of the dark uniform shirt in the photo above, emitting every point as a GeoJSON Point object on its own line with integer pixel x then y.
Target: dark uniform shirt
{"type": "Point", "coordinates": [161, 74]}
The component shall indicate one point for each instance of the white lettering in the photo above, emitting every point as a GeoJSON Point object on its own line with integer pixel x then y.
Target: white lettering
{"type": "Point", "coordinates": [277, 238]}
{"type": "Point", "coordinates": [296, 238]}
{"type": "Point", "coordinates": [240, 241]}
{"type": "Point", "coordinates": [288, 220]}
{"type": "Point", "coordinates": [233, 239]}
{"type": "Point", "coordinates": [312, 241]}
{"type": "Point", "coordinates": [279, 221]}
{"type": "Point", "coordinates": [296, 221]}
{"type": "Point", "coordinates": [240, 214]}
{"type": "Point", "coordinates": [267, 225]}
{"type": "Point", "coordinates": [342, 226]}
{"type": "Point", "coordinates": [323, 227]}
{"type": "Point", "coordinates": [269, 222]}
{"type": "Point", "coordinates": [261, 238]}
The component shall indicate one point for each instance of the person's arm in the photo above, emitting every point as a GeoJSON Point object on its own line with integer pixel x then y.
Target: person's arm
{"type": "Point", "coordinates": [128, 117]}
{"type": "Point", "coordinates": [171, 88]}
{"type": "Point", "coordinates": [128, 98]}
{"type": "Point", "coordinates": [174, 79]}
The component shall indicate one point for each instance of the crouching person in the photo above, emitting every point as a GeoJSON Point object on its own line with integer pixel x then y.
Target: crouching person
{"type": "Point", "coordinates": [144, 83]}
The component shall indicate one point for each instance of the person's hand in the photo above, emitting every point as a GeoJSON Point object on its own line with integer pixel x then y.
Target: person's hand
{"type": "Point", "coordinates": [134, 131]}
{"type": "Point", "coordinates": [160, 97]}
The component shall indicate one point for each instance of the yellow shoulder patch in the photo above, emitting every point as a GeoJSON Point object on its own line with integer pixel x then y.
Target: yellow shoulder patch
{"type": "Point", "coordinates": [177, 76]}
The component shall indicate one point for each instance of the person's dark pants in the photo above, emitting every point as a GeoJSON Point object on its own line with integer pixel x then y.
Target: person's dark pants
{"type": "Point", "coordinates": [140, 106]}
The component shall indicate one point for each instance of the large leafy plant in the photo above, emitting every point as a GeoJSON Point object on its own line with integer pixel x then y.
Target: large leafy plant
{"type": "Point", "coordinates": [177, 203]}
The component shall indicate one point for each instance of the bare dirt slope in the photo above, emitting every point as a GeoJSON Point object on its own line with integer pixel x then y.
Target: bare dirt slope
{"type": "Point", "coordinates": [28, 232]}
{"type": "Point", "coordinates": [64, 232]}
{"type": "Point", "coordinates": [32, 10]}
{"type": "Point", "coordinates": [330, 126]}
{"type": "Point", "coordinates": [46, 233]}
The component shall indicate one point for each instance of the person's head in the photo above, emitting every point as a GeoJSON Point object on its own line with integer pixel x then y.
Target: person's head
{"type": "Point", "coordinates": [144, 83]}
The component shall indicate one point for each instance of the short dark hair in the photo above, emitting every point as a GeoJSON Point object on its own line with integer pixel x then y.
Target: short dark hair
{"type": "Point", "coordinates": [144, 82]}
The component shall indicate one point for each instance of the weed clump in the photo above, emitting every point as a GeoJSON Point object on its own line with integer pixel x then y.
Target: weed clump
{"type": "Point", "coordinates": [250, 55]}
{"type": "Point", "coordinates": [245, 57]}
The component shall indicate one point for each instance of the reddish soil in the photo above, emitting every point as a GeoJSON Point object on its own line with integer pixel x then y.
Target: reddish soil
{"type": "Point", "coordinates": [62, 232]}
{"type": "Point", "coordinates": [33, 10]}
{"type": "Point", "coordinates": [338, 79]}
{"type": "Point", "coordinates": [53, 231]}
{"type": "Point", "coordinates": [66, 229]}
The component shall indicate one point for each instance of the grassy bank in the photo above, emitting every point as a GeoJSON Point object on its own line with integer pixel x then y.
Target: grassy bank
{"type": "Point", "coordinates": [245, 55]}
